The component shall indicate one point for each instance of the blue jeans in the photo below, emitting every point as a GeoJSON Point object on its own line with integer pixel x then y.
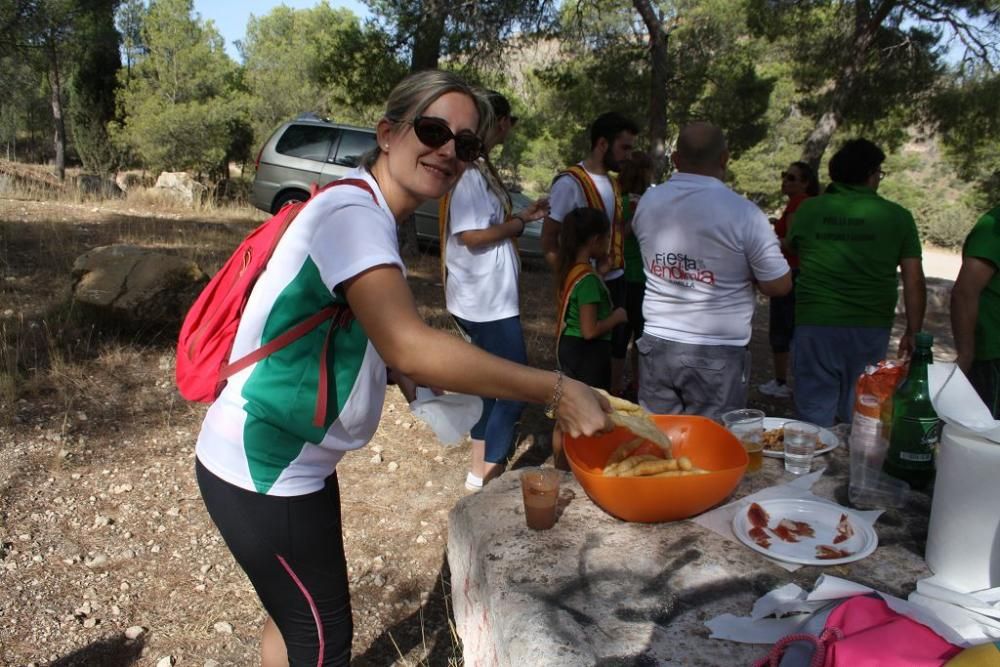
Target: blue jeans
{"type": "Point", "coordinates": [826, 364]}
{"type": "Point", "coordinates": [498, 424]}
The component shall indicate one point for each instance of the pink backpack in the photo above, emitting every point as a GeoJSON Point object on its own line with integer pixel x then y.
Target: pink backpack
{"type": "Point", "coordinates": [863, 631]}
{"type": "Point", "coordinates": [209, 329]}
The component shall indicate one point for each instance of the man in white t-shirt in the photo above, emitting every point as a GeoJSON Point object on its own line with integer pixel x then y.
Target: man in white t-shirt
{"type": "Point", "coordinates": [588, 184]}
{"type": "Point", "coordinates": [704, 247]}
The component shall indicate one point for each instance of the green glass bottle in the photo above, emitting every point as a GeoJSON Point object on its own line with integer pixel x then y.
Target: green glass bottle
{"type": "Point", "coordinates": [916, 429]}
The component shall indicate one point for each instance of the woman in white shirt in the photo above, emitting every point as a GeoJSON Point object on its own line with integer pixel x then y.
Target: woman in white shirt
{"type": "Point", "coordinates": [266, 465]}
{"type": "Point", "coordinates": [481, 285]}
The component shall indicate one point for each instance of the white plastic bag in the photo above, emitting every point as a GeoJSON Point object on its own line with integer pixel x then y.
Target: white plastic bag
{"type": "Point", "coordinates": [451, 416]}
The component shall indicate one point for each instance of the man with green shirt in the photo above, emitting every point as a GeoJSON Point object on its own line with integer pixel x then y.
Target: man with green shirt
{"type": "Point", "coordinates": [850, 242]}
{"type": "Point", "coordinates": [975, 310]}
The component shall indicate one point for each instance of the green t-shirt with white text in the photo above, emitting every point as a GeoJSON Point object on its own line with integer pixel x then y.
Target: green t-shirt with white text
{"type": "Point", "coordinates": [850, 242]}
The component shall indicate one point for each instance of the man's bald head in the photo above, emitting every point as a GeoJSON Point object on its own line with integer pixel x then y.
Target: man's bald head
{"type": "Point", "coordinates": [701, 149]}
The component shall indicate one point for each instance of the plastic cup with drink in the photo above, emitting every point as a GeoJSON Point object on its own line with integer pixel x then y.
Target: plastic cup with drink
{"type": "Point", "coordinates": [801, 439]}
{"type": "Point", "coordinates": [748, 426]}
{"type": "Point", "coordinates": [540, 487]}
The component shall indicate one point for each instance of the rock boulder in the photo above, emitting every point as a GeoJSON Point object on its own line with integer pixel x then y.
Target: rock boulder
{"type": "Point", "coordinates": [180, 187]}
{"type": "Point", "coordinates": [136, 284]}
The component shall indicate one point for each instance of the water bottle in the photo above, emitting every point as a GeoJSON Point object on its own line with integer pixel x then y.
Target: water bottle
{"type": "Point", "coordinates": [915, 428]}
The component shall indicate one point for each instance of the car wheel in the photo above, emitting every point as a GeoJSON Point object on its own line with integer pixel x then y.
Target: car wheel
{"type": "Point", "coordinates": [288, 197]}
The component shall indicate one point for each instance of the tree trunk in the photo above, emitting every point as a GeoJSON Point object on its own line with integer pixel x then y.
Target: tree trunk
{"type": "Point", "coordinates": [867, 23]}
{"type": "Point", "coordinates": [58, 121]}
{"type": "Point", "coordinates": [429, 33]}
{"type": "Point", "coordinates": [659, 73]}
{"type": "Point", "coordinates": [820, 138]}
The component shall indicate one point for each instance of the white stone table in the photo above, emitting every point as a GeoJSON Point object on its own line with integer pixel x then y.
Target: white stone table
{"type": "Point", "coordinates": [595, 590]}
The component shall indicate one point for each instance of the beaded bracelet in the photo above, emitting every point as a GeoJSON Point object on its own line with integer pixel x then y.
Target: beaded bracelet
{"type": "Point", "coordinates": [552, 409]}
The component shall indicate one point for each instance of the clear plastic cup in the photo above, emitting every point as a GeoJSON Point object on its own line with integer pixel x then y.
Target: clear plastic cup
{"type": "Point", "coordinates": [800, 442]}
{"type": "Point", "coordinates": [870, 488]}
{"type": "Point", "coordinates": [540, 488]}
{"type": "Point", "coordinates": [748, 426]}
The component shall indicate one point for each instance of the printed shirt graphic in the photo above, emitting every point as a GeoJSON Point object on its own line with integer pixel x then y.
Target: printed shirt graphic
{"type": "Point", "coordinates": [702, 246]}
{"type": "Point", "coordinates": [259, 434]}
{"type": "Point", "coordinates": [849, 242]}
{"type": "Point", "coordinates": [482, 282]}
{"type": "Point", "coordinates": [983, 243]}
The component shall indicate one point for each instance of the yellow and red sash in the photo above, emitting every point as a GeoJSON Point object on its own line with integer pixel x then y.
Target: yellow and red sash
{"type": "Point", "coordinates": [616, 251]}
{"type": "Point", "coordinates": [577, 272]}
{"type": "Point", "coordinates": [444, 219]}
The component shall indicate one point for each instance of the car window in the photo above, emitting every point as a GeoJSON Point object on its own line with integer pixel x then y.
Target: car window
{"type": "Point", "coordinates": [311, 142]}
{"type": "Point", "coordinates": [352, 146]}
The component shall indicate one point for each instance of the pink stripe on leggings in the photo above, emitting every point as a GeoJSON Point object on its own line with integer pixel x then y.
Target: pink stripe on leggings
{"type": "Point", "coordinates": [312, 607]}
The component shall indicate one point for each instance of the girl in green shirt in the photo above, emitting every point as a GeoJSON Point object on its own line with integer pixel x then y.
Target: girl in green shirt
{"type": "Point", "coordinates": [586, 317]}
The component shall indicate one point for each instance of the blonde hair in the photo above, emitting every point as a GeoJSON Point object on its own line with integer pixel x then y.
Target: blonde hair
{"type": "Point", "coordinates": [411, 97]}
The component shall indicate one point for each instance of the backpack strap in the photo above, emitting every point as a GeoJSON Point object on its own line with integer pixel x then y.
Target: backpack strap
{"type": "Point", "coordinates": [340, 314]}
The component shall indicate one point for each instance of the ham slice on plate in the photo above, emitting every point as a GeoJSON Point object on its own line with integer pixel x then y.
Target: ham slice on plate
{"type": "Point", "coordinates": [845, 530]}
{"type": "Point", "coordinates": [758, 516]}
{"type": "Point", "coordinates": [760, 536]}
{"type": "Point", "coordinates": [826, 552]}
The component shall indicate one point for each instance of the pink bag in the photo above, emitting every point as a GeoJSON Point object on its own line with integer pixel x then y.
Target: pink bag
{"type": "Point", "coordinates": [864, 632]}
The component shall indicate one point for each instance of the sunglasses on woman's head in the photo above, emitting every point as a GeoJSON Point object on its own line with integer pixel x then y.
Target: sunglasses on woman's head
{"type": "Point", "coordinates": [435, 133]}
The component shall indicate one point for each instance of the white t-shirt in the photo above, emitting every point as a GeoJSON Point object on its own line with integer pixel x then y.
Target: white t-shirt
{"type": "Point", "coordinates": [566, 195]}
{"type": "Point", "coordinates": [258, 434]}
{"type": "Point", "coordinates": [702, 247]}
{"type": "Point", "coordinates": [482, 282]}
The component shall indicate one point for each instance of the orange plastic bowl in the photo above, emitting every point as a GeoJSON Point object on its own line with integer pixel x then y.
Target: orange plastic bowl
{"type": "Point", "coordinates": [656, 499]}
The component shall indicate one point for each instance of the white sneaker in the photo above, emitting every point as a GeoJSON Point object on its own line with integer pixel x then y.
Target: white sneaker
{"type": "Point", "coordinates": [473, 483]}
{"type": "Point", "coordinates": [775, 389]}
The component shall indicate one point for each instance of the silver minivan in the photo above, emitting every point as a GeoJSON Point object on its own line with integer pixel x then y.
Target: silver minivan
{"type": "Point", "coordinates": [302, 152]}
{"type": "Point", "coordinates": [311, 150]}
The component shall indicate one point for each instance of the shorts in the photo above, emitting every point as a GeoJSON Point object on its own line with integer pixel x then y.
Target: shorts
{"type": "Point", "coordinates": [827, 362]}
{"type": "Point", "coordinates": [682, 378]}
{"type": "Point", "coordinates": [292, 550]}
{"type": "Point", "coordinates": [620, 334]}
{"type": "Point", "coordinates": [588, 361]}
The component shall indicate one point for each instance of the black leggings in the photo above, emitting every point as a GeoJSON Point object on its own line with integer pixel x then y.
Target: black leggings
{"type": "Point", "coordinates": [293, 552]}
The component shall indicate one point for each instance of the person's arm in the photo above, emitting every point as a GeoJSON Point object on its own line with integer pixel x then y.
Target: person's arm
{"type": "Point", "coordinates": [591, 327]}
{"type": "Point", "coordinates": [550, 241]}
{"type": "Point", "coordinates": [972, 279]}
{"type": "Point", "coordinates": [914, 301]}
{"type": "Point", "coordinates": [512, 226]}
{"type": "Point", "coordinates": [477, 238]}
{"type": "Point", "coordinates": [777, 287]}
{"type": "Point", "coordinates": [383, 304]}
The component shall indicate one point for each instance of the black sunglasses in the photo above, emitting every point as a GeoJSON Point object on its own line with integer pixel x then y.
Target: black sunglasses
{"type": "Point", "coordinates": [435, 133]}
{"type": "Point", "coordinates": [788, 176]}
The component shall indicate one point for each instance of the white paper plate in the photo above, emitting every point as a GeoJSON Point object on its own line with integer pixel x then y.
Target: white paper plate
{"type": "Point", "coordinates": [822, 517]}
{"type": "Point", "coordinates": [827, 440]}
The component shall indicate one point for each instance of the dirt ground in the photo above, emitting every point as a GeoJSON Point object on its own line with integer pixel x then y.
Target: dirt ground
{"type": "Point", "coordinates": [107, 556]}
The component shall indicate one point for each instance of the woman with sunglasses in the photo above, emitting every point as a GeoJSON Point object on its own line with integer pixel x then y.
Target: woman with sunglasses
{"type": "Point", "coordinates": [266, 469]}
{"type": "Point", "coordinates": [479, 234]}
{"type": "Point", "coordinates": [798, 183]}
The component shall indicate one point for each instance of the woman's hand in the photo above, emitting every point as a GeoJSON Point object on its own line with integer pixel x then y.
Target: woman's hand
{"type": "Point", "coordinates": [538, 210]}
{"type": "Point", "coordinates": [581, 410]}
